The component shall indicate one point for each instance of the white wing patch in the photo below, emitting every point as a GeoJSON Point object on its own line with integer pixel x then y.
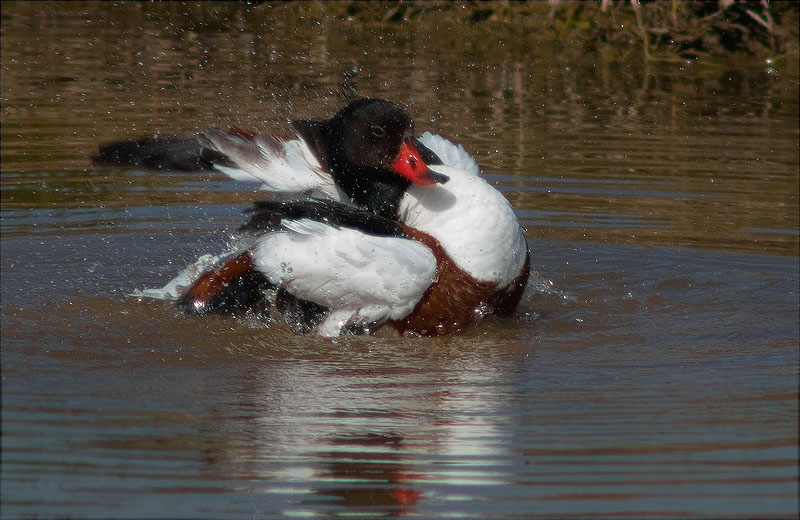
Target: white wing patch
{"type": "Point", "coordinates": [364, 279]}
{"type": "Point", "coordinates": [452, 155]}
{"type": "Point", "coordinates": [287, 166]}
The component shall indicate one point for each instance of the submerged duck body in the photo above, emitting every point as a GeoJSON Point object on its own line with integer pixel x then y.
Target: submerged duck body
{"type": "Point", "coordinates": [374, 227]}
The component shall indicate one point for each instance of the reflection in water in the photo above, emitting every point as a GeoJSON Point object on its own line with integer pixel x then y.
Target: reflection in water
{"type": "Point", "coordinates": [365, 432]}
{"type": "Point", "coordinates": [369, 468]}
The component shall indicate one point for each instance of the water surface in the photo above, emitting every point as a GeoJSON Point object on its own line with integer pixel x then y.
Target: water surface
{"type": "Point", "coordinates": [652, 367]}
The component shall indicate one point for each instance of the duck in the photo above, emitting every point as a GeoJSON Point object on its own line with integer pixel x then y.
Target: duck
{"type": "Point", "coordinates": [368, 226]}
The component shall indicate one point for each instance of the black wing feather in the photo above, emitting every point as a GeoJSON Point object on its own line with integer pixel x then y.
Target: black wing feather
{"type": "Point", "coordinates": [167, 153]}
{"type": "Point", "coordinates": [268, 215]}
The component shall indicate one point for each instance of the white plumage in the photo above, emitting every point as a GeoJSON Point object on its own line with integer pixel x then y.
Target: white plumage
{"type": "Point", "coordinates": [472, 221]}
{"type": "Point", "coordinates": [367, 279]}
{"type": "Point", "coordinates": [452, 155]}
{"type": "Point", "coordinates": [286, 166]}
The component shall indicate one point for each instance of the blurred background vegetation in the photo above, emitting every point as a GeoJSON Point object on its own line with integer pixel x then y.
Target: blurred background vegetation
{"type": "Point", "coordinates": [658, 30]}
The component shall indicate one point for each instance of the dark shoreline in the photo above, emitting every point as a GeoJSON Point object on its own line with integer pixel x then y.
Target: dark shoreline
{"type": "Point", "coordinates": [709, 31]}
{"type": "Point", "coordinates": [656, 30]}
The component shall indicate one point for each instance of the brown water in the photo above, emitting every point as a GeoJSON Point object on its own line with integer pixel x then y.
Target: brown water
{"type": "Point", "coordinates": [652, 368]}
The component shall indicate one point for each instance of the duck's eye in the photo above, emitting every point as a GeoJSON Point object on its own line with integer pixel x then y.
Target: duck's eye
{"type": "Point", "coordinates": [377, 131]}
